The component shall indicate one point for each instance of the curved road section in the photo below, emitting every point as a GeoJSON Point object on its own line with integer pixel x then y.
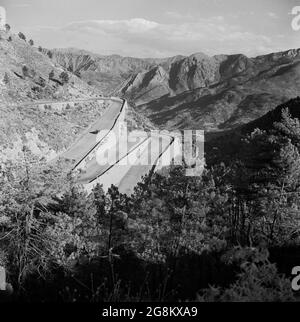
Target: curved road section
{"type": "Point", "coordinates": [142, 155]}
{"type": "Point", "coordinates": [89, 140]}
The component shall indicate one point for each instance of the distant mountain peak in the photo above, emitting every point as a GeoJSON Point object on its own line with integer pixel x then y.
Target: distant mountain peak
{"type": "Point", "coordinates": [223, 90]}
{"type": "Point", "coordinates": [196, 90]}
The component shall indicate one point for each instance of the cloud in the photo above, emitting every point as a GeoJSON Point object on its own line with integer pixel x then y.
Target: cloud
{"type": "Point", "coordinates": [115, 27]}
{"type": "Point", "coordinates": [210, 35]}
{"type": "Point", "coordinates": [21, 5]}
{"type": "Point", "coordinates": [144, 38]}
{"type": "Point", "coordinates": [177, 15]}
{"type": "Point", "coordinates": [273, 15]}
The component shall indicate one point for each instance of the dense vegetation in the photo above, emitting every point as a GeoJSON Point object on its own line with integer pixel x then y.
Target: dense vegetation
{"type": "Point", "coordinates": [228, 235]}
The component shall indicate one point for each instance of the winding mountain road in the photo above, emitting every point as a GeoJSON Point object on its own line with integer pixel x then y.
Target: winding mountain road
{"type": "Point", "coordinates": [91, 138]}
{"type": "Point", "coordinates": [125, 166]}
{"type": "Point", "coordinates": [123, 169]}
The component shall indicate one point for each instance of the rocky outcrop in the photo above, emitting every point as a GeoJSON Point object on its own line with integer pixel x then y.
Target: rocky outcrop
{"type": "Point", "coordinates": [104, 72]}
{"type": "Point", "coordinates": [198, 91]}
{"type": "Point", "coordinates": [222, 91]}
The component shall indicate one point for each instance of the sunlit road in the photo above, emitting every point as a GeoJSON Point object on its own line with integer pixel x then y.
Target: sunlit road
{"type": "Point", "coordinates": [123, 169]}
{"type": "Point", "coordinates": [92, 136]}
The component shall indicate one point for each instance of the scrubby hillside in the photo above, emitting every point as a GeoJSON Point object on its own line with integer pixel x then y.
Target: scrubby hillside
{"type": "Point", "coordinates": [28, 74]}
{"type": "Point", "coordinates": [47, 131]}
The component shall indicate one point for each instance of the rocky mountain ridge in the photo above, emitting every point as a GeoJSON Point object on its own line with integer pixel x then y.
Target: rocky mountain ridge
{"type": "Point", "coordinates": [196, 91]}
{"type": "Point", "coordinates": [215, 92]}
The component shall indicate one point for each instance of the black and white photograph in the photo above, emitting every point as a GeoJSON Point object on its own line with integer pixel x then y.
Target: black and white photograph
{"type": "Point", "coordinates": [149, 153]}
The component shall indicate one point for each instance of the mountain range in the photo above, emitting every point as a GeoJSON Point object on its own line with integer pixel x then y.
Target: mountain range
{"type": "Point", "coordinates": [197, 91]}
{"type": "Point", "coordinates": [216, 94]}
{"type": "Point", "coordinates": [107, 73]}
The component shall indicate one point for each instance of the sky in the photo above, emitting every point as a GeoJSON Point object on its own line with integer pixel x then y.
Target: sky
{"type": "Point", "coordinates": [157, 28]}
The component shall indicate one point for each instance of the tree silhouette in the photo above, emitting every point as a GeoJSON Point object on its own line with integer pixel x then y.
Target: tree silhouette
{"type": "Point", "coordinates": [64, 76]}
{"type": "Point", "coordinates": [7, 27]}
{"type": "Point", "coordinates": [22, 36]}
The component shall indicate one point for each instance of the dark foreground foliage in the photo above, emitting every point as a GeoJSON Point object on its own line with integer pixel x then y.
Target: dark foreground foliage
{"type": "Point", "coordinates": [230, 235]}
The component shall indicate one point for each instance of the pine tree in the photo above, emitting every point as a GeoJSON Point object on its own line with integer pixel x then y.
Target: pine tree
{"type": "Point", "coordinates": [27, 185]}
{"type": "Point", "coordinates": [22, 36]}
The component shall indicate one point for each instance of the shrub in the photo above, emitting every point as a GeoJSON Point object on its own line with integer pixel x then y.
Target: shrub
{"type": "Point", "coordinates": [64, 76]}
{"type": "Point", "coordinates": [21, 36]}
{"type": "Point", "coordinates": [259, 280]}
{"type": "Point", "coordinates": [40, 49]}
{"type": "Point", "coordinates": [31, 42]}
{"type": "Point", "coordinates": [7, 27]}
{"type": "Point", "coordinates": [9, 39]}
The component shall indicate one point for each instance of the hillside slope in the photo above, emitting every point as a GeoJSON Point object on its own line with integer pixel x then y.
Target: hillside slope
{"type": "Point", "coordinates": [24, 82]}
{"type": "Point", "coordinates": [104, 72]}
{"type": "Point", "coordinates": [27, 74]}
{"type": "Point", "coordinates": [214, 92]}
{"type": "Point", "coordinates": [38, 107]}
{"type": "Point", "coordinates": [224, 146]}
{"type": "Point", "coordinates": [198, 91]}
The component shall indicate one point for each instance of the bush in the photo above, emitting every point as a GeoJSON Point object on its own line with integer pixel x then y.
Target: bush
{"type": "Point", "coordinates": [31, 42]}
{"type": "Point", "coordinates": [64, 76]}
{"type": "Point", "coordinates": [7, 27]}
{"type": "Point", "coordinates": [22, 36]}
{"type": "Point", "coordinates": [259, 281]}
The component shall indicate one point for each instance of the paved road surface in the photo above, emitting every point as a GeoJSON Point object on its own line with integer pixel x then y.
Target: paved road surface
{"type": "Point", "coordinates": [143, 154]}
{"type": "Point", "coordinates": [142, 165]}
{"type": "Point", "coordinates": [90, 139]}
{"type": "Point", "coordinates": [94, 169]}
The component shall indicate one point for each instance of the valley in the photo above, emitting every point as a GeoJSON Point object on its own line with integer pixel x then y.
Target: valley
{"type": "Point", "coordinates": [158, 162]}
{"type": "Point", "coordinates": [198, 91]}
